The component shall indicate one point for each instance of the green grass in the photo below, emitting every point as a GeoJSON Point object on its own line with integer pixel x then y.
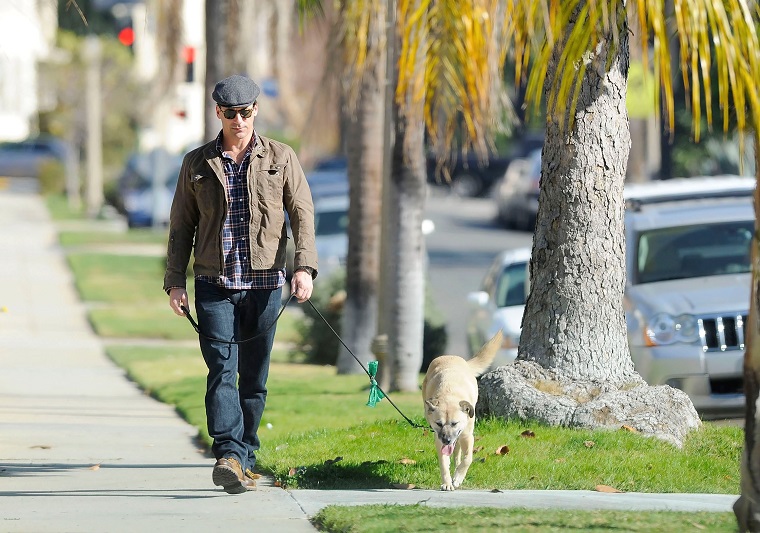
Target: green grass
{"type": "Point", "coordinates": [133, 236]}
{"type": "Point", "coordinates": [318, 416]}
{"type": "Point", "coordinates": [421, 518]}
{"type": "Point", "coordinates": [323, 435]}
{"type": "Point", "coordinates": [59, 209]}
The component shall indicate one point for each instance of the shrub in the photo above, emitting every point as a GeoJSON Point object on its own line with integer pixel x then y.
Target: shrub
{"type": "Point", "coordinates": [320, 344]}
{"type": "Point", "coordinates": [52, 178]}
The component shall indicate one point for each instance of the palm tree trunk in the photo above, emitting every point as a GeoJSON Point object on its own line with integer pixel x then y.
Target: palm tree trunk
{"type": "Point", "coordinates": [405, 261]}
{"type": "Point", "coordinates": [574, 322]}
{"type": "Point", "coordinates": [747, 507]}
{"type": "Point", "coordinates": [216, 54]}
{"type": "Point", "coordinates": [365, 175]}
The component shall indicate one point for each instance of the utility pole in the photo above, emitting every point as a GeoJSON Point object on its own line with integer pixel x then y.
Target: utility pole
{"type": "Point", "coordinates": [94, 184]}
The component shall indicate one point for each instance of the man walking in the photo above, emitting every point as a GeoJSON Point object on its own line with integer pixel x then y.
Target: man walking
{"type": "Point", "coordinates": [229, 211]}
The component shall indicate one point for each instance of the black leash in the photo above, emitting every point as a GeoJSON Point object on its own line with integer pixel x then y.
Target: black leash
{"type": "Point", "coordinates": [373, 383]}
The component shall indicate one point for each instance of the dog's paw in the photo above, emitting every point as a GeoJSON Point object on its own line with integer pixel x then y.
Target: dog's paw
{"type": "Point", "coordinates": [458, 481]}
{"type": "Point", "coordinates": [447, 486]}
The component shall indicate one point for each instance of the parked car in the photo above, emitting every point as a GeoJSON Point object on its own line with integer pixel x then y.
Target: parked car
{"type": "Point", "coordinates": [499, 304]}
{"type": "Point", "coordinates": [472, 177]}
{"type": "Point", "coordinates": [331, 233]}
{"type": "Point", "coordinates": [516, 193]}
{"type": "Point", "coordinates": [24, 159]}
{"type": "Point", "coordinates": [329, 182]}
{"type": "Point", "coordinates": [687, 288]}
{"type": "Point", "coordinates": [136, 193]}
{"type": "Point", "coordinates": [688, 285]}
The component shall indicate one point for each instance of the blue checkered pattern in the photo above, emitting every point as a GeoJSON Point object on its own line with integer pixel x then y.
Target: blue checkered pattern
{"type": "Point", "coordinates": [238, 273]}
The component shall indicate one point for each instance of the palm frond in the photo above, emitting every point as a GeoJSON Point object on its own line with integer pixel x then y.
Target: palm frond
{"type": "Point", "coordinates": [713, 36]}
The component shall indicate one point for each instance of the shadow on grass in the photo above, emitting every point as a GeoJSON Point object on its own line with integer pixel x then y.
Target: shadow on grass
{"type": "Point", "coordinates": [333, 475]}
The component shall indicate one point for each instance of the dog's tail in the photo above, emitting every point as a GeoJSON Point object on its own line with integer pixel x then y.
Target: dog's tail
{"type": "Point", "coordinates": [483, 359]}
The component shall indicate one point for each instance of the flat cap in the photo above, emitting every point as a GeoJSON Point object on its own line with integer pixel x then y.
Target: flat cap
{"type": "Point", "coordinates": [235, 91]}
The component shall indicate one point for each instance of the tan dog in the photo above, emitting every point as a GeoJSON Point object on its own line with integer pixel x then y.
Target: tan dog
{"type": "Point", "coordinates": [450, 393]}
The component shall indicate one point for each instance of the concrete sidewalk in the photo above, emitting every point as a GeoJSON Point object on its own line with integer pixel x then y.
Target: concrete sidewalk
{"type": "Point", "coordinates": [83, 449]}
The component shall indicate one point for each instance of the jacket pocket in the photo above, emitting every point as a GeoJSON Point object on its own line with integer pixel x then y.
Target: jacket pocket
{"type": "Point", "coordinates": [209, 194]}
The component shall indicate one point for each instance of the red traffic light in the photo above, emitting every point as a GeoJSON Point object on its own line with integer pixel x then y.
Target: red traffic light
{"type": "Point", "coordinates": [127, 36]}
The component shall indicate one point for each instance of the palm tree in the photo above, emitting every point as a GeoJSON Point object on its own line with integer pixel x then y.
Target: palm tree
{"type": "Point", "coordinates": [439, 72]}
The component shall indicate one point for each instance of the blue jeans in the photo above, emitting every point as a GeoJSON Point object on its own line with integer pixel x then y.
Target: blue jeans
{"type": "Point", "coordinates": [236, 389]}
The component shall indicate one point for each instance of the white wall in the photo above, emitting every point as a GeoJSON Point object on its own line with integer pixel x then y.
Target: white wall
{"type": "Point", "coordinates": [22, 43]}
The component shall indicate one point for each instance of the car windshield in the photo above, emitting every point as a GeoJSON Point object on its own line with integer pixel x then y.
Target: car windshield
{"type": "Point", "coordinates": [693, 251]}
{"type": "Point", "coordinates": [331, 222]}
{"type": "Point", "coordinates": [512, 288]}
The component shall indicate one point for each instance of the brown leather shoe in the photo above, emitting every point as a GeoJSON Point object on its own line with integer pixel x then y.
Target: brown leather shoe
{"type": "Point", "coordinates": [228, 474]}
{"type": "Point", "coordinates": [250, 476]}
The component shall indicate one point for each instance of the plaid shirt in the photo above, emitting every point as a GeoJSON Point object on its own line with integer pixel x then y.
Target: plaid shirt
{"type": "Point", "coordinates": [235, 239]}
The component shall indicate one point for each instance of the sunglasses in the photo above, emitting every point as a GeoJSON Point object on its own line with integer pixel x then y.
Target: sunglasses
{"type": "Point", "coordinates": [232, 113]}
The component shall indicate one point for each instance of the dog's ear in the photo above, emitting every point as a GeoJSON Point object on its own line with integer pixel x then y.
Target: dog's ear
{"type": "Point", "coordinates": [431, 404]}
{"type": "Point", "coordinates": [467, 408]}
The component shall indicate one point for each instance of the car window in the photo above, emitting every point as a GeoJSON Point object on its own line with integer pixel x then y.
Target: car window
{"type": "Point", "coordinates": [331, 222]}
{"type": "Point", "coordinates": [693, 251]}
{"type": "Point", "coordinates": [512, 287]}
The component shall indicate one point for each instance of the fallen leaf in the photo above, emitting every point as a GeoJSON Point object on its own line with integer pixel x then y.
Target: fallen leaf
{"type": "Point", "coordinates": [277, 484]}
{"type": "Point", "coordinates": [407, 461]}
{"type": "Point", "coordinates": [589, 443]}
{"type": "Point", "coordinates": [477, 449]}
{"type": "Point", "coordinates": [402, 486]}
{"type": "Point", "coordinates": [481, 459]}
{"type": "Point", "coordinates": [94, 467]}
{"type": "Point", "coordinates": [495, 490]}
{"type": "Point", "coordinates": [528, 434]}
{"type": "Point", "coordinates": [292, 472]}
{"type": "Point", "coordinates": [697, 526]}
{"type": "Point", "coordinates": [333, 461]}
{"type": "Point", "coordinates": [476, 439]}
{"type": "Point", "coordinates": [629, 428]}
{"type": "Point", "coordinates": [426, 433]}
{"type": "Point", "coordinates": [502, 450]}
{"type": "Point", "coordinates": [607, 488]}
{"type": "Point", "coordinates": [41, 447]}
{"type": "Point", "coordinates": [560, 460]}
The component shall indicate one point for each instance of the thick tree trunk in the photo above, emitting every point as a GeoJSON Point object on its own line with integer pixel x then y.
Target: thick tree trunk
{"type": "Point", "coordinates": [574, 367]}
{"type": "Point", "coordinates": [574, 321]}
{"type": "Point", "coordinates": [747, 507]}
{"type": "Point", "coordinates": [365, 175]}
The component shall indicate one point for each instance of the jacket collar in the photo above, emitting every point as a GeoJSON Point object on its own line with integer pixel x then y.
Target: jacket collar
{"type": "Point", "coordinates": [260, 147]}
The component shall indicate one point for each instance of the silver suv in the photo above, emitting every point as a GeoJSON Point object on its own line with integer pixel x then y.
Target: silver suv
{"type": "Point", "coordinates": [688, 285]}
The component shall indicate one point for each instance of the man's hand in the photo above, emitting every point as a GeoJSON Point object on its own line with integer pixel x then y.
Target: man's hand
{"type": "Point", "coordinates": [177, 297]}
{"type": "Point", "coordinates": [301, 285]}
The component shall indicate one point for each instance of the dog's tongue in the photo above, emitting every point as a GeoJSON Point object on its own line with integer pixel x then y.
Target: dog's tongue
{"type": "Point", "coordinates": [448, 449]}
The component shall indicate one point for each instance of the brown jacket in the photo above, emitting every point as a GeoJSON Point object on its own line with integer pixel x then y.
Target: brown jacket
{"type": "Point", "coordinates": [276, 183]}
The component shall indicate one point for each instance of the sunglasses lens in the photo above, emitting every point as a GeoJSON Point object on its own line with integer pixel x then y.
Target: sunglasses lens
{"type": "Point", "coordinates": [232, 113]}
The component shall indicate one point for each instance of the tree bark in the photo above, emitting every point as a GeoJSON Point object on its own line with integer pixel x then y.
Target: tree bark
{"type": "Point", "coordinates": [747, 507]}
{"type": "Point", "coordinates": [574, 322]}
{"type": "Point", "coordinates": [216, 54]}
{"type": "Point", "coordinates": [406, 282]}
{"type": "Point", "coordinates": [574, 367]}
